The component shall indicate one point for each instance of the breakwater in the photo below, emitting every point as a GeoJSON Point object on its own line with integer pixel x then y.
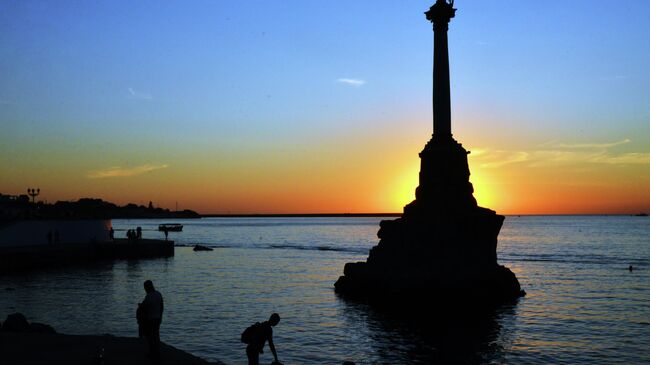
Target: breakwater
{"type": "Point", "coordinates": [31, 257]}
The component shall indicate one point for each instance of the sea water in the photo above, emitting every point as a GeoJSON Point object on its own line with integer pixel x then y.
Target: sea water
{"type": "Point", "coordinates": [583, 305]}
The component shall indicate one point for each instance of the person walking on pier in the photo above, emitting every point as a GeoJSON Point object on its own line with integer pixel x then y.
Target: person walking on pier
{"type": "Point", "coordinates": [150, 312]}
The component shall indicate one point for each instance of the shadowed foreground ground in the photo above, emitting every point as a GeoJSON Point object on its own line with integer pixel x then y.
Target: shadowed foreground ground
{"type": "Point", "coordinates": [35, 348]}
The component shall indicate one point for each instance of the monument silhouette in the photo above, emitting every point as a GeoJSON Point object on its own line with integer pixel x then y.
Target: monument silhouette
{"type": "Point", "coordinates": [444, 245]}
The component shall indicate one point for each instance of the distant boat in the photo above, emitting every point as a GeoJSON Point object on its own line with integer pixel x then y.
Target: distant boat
{"type": "Point", "coordinates": [171, 227]}
{"type": "Point", "coordinates": [642, 215]}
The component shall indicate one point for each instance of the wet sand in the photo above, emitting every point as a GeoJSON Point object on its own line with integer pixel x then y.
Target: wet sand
{"type": "Point", "coordinates": [37, 349]}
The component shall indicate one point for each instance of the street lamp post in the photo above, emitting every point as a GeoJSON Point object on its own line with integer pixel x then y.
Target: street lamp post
{"type": "Point", "coordinates": [33, 193]}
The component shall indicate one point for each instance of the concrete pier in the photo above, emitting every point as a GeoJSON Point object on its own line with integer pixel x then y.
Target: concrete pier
{"type": "Point", "coordinates": [32, 257]}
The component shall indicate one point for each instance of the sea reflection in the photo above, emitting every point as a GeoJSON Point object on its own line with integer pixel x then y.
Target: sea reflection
{"type": "Point", "coordinates": [441, 336]}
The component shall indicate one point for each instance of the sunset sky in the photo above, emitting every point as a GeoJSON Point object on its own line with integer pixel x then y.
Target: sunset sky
{"type": "Point", "coordinates": [304, 106]}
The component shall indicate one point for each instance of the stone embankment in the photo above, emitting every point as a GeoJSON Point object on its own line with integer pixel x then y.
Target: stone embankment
{"type": "Point", "coordinates": [31, 257]}
{"type": "Point", "coordinates": [27, 343]}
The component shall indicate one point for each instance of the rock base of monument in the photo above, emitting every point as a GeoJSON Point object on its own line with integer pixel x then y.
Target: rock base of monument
{"type": "Point", "coordinates": [497, 285]}
{"type": "Point", "coordinates": [443, 258]}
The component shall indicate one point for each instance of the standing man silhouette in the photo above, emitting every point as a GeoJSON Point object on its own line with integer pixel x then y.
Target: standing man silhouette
{"type": "Point", "coordinates": [260, 333]}
{"type": "Point", "coordinates": [152, 310]}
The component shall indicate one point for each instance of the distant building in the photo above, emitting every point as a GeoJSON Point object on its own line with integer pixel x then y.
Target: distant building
{"type": "Point", "coordinates": [23, 198]}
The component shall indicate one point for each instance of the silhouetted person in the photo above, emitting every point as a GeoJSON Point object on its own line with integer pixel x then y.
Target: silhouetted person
{"type": "Point", "coordinates": [140, 316]}
{"type": "Point", "coordinates": [150, 314]}
{"type": "Point", "coordinates": [111, 234]}
{"type": "Point", "coordinates": [138, 234]}
{"type": "Point", "coordinates": [166, 233]}
{"type": "Point", "coordinates": [630, 268]}
{"type": "Point", "coordinates": [256, 335]}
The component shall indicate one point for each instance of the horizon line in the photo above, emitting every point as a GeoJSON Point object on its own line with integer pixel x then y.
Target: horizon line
{"type": "Point", "coordinates": [289, 215]}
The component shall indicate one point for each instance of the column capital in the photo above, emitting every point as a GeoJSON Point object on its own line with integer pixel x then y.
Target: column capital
{"type": "Point", "coordinates": [440, 14]}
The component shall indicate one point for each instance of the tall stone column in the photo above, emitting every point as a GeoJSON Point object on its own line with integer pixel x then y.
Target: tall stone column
{"type": "Point", "coordinates": [444, 245]}
{"type": "Point", "coordinates": [440, 14]}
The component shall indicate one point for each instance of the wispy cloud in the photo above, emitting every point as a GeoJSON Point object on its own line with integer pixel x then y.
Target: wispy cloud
{"type": "Point", "coordinates": [135, 94]}
{"type": "Point", "coordinates": [555, 153]}
{"type": "Point", "coordinates": [625, 158]}
{"type": "Point", "coordinates": [506, 158]}
{"type": "Point", "coordinates": [614, 78]}
{"type": "Point", "coordinates": [117, 171]}
{"type": "Point", "coordinates": [555, 144]}
{"type": "Point", "coordinates": [351, 82]}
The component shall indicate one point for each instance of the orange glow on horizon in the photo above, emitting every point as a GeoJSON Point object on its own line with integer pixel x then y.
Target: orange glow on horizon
{"type": "Point", "coordinates": [348, 173]}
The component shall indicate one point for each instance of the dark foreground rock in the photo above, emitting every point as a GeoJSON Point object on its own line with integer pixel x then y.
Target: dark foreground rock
{"type": "Point", "coordinates": [16, 322]}
{"type": "Point", "coordinates": [40, 328]}
{"type": "Point", "coordinates": [38, 349]}
{"type": "Point", "coordinates": [27, 343]}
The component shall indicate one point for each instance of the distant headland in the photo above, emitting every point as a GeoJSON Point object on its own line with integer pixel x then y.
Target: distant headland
{"type": "Point", "coordinates": [19, 207]}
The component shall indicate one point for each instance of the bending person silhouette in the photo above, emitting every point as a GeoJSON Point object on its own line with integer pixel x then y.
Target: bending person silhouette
{"type": "Point", "coordinates": [149, 317]}
{"type": "Point", "coordinates": [256, 335]}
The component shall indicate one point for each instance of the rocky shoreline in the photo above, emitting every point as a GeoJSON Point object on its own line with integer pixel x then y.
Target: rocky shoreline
{"type": "Point", "coordinates": [27, 343]}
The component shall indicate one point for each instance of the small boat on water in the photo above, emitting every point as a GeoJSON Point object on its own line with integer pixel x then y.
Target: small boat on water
{"type": "Point", "coordinates": [171, 227]}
